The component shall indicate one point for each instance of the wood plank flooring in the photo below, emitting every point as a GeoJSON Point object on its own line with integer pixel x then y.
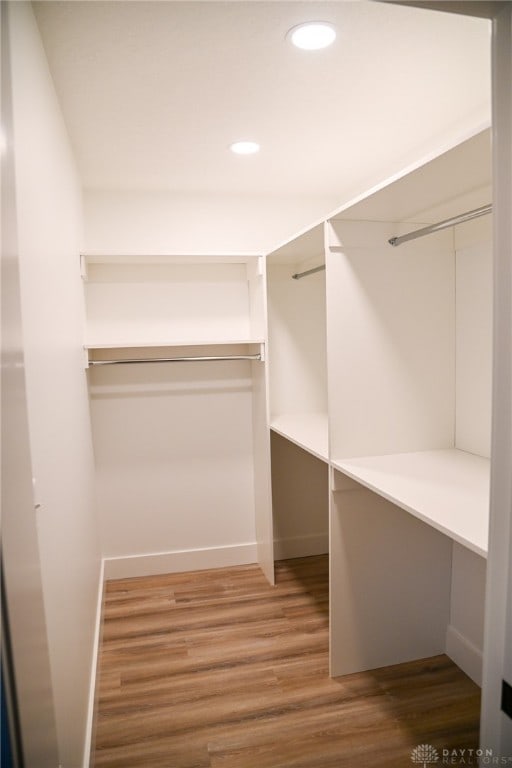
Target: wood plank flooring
{"type": "Point", "coordinates": [216, 669]}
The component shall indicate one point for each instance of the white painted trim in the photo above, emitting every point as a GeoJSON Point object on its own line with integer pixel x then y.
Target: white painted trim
{"type": "Point", "coordinates": [301, 546]}
{"type": "Point", "coordinates": [465, 655]}
{"type": "Point", "coordinates": [89, 730]}
{"type": "Point", "coordinates": [179, 561]}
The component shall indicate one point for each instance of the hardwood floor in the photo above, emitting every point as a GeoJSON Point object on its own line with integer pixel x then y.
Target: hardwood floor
{"type": "Point", "coordinates": [217, 669]}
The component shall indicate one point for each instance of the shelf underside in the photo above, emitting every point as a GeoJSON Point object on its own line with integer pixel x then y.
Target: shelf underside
{"type": "Point", "coordinates": [140, 343]}
{"type": "Point", "coordinates": [307, 430]}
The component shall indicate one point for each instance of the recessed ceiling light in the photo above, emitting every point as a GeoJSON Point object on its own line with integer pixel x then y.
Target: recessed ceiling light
{"type": "Point", "coordinates": [245, 147]}
{"type": "Point", "coordinates": [312, 35]}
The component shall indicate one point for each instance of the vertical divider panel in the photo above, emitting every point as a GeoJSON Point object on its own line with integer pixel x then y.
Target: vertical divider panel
{"type": "Point", "coordinates": [390, 575]}
{"type": "Point", "coordinates": [256, 274]}
{"type": "Point", "coordinates": [262, 485]}
{"type": "Point", "coordinates": [257, 297]}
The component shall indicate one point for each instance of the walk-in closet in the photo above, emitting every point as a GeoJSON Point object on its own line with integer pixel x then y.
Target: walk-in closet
{"type": "Point", "coordinates": [256, 383]}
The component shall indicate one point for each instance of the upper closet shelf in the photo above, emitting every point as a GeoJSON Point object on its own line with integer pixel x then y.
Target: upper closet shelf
{"type": "Point", "coordinates": [173, 301]}
{"type": "Point", "coordinates": [447, 489]}
{"type": "Point", "coordinates": [307, 430]}
{"type": "Point", "coordinates": [136, 344]}
{"type": "Point", "coordinates": [117, 259]}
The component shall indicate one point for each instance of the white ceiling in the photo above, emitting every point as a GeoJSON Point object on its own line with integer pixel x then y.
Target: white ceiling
{"type": "Point", "coordinates": [154, 92]}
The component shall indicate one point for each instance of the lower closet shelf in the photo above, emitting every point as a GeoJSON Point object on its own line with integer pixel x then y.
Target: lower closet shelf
{"type": "Point", "coordinates": [447, 489]}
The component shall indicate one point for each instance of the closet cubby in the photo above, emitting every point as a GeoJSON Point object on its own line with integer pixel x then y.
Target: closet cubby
{"type": "Point", "coordinates": [297, 342]}
{"type": "Point", "coordinates": [177, 384]}
{"type": "Point", "coordinates": [297, 358]}
{"type": "Point", "coordinates": [379, 369]}
{"type": "Point", "coordinates": [409, 362]}
{"type": "Point", "coordinates": [399, 374]}
{"type": "Point", "coordinates": [173, 301]}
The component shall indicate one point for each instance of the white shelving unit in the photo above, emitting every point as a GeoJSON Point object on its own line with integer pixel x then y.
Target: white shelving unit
{"type": "Point", "coordinates": [297, 341]}
{"type": "Point", "coordinates": [172, 301]}
{"type": "Point", "coordinates": [182, 445]}
{"type": "Point", "coordinates": [298, 394]}
{"type": "Point", "coordinates": [168, 342]}
{"type": "Point", "coordinates": [409, 345]}
{"type": "Point", "coordinates": [379, 371]}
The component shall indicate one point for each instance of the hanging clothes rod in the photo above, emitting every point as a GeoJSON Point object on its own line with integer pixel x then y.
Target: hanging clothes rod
{"type": "Point", "coordinates": [298, 275]}
{"type": "Point", "coordinates": [174, 359]}
{"type": "Point", "coordinates": [474, 214]}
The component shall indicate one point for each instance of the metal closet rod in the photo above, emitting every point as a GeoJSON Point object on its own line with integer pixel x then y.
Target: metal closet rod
{"type": "Point", "coordinates": [474, 214]}
{"type": "Point", "coordinates": [460, 219]}
{"type": "Point", "coordinates": [298, 275]}
{"type": "Point", "coordinates": [175, 359]}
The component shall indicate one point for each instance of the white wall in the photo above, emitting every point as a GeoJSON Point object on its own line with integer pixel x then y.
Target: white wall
{"type": "Point", "coordinates": [160, 222]}
{"type": "Point", "coordinates": [173, 448]}
{"type": "Point", "coordinates": [392, 378]}
{"type": "Point", "coordinates": [27, 662]}
{"type": "Point", "coordinates": [49, 228]}
{"type": "Point", "coordinates": [300, 501]}
{"type": "Point", "coordinates": [297, 342]}
{"type": "Point", "coordinates": [473, 364]}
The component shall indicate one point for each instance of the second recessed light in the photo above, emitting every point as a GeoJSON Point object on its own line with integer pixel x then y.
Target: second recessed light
{"type": "Point", "coordinates": [245, 147]}
{"type": "Point", "coordinates": [312, 35]}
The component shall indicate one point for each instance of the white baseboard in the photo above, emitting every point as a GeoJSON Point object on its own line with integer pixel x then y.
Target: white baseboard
{"type": "Point", "coordinates": [301, 546]}
{"type": "Point", "coordinates": [465, 655]}
{"type": "Point", "coordinates": [89, 732]}
{"type": "Point", "coordinates": [179, 561]}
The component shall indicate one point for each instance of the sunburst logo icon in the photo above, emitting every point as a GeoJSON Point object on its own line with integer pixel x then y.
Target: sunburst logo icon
{"type": "Point", "coordinates": [424, 755]}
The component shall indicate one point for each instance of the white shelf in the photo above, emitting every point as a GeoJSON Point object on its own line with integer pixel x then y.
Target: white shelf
{"type": "Point", "coordinates": [174, 301]}
{"type": "Point", "coordinates": [447, 489]}
{"type": "Point", "coordinates": [135, 343]}
{"type": "Point", "coordinates": [307, 430]}
{"type": "Point", "coordinates": [117, 259]}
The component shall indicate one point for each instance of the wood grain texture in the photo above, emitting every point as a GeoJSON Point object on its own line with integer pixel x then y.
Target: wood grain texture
{"type": "Point", "coordinates": [217, 669]}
